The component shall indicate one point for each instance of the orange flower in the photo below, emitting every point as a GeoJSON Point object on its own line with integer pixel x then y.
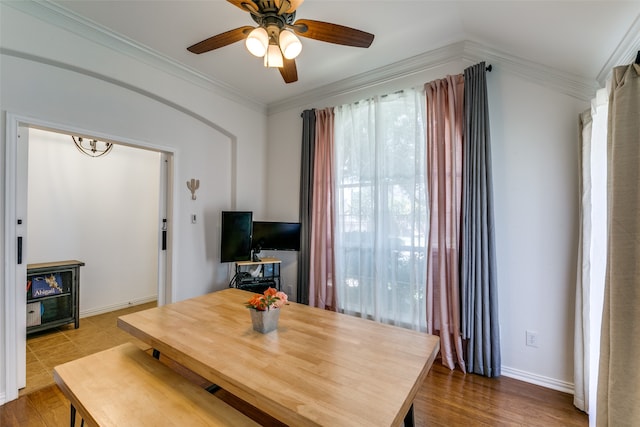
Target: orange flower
{"type": "Point", "coordinates": [257, 302]}
{"type": "Point", "coordinates": [271, 298]}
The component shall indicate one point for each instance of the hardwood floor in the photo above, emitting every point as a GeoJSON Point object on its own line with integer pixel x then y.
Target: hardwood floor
{"type": "Point", "coordinates": [451, 398]}
{"type": "Point", "coordinates": [447, 398]}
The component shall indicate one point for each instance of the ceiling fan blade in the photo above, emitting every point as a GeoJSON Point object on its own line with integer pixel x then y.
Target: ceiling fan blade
{"type": "Point", "coordinates": [220, 40]}
{"type": "Point", "coordinates": [238, 3]}
{"type": "Point", "coordinates": [293, 5]}
{"type": "Point", "coordinates": [289, 71]}
{"type": "Point", "coordinates": [332, 33]}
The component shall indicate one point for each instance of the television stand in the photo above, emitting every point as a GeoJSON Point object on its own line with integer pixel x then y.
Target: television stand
{"type": "Point", "coordinates": [56, 303]}
{"type": "Point", "coordinates": [249, 278]}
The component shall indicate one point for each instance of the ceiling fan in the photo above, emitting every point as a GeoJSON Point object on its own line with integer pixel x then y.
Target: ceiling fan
{"type": "Point", "coordinates": [275, 36]}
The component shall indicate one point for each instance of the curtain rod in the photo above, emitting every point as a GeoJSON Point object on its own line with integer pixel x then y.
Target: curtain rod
{"type": "Point", "coordinates": [488, 68]}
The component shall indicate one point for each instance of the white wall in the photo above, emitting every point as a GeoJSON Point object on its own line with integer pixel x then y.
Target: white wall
{"type": "Point", "coordinates": [536, 188]}
{"type": "Point", "coordinates": [534, 142]}
{"type": "Point", "coordinates": [51, 75]}
{"type": "Point", "coordinates": [103, 211]}
{"type": "Point", "coordinates": [535, 149]}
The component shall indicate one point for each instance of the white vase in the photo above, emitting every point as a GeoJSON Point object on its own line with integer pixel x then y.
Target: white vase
{"type": "Point", "coordinates": [265, 321]}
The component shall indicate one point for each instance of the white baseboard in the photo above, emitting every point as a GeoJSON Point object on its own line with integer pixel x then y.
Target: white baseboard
{"type": "Point", "coordinates": [540, 380]}
{"type": "Point", "coordinates": [119, 306]}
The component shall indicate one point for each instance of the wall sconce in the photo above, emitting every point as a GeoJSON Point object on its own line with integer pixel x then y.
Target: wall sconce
{"type": "Point", "coordinates": [193, 185]}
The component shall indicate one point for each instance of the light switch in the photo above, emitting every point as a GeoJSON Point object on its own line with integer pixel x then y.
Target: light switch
{"type": "Point", "coordinates": [193, 218]}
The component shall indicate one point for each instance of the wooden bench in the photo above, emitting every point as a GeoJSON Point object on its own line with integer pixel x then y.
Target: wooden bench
{"type": "Point", "coordinates": [126, 386]}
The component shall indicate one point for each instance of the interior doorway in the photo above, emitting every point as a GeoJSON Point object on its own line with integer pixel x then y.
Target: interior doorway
{"type": "Point", "coordinates": [102, 211]}
{"type": "Point", "coordinates": [20, 134]}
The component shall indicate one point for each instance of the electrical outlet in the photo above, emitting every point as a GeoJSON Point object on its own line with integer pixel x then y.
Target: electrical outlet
{"type": "Point", "coordinates": [532, 339]}
{"type": "Point", "coordinates": [193, 219]}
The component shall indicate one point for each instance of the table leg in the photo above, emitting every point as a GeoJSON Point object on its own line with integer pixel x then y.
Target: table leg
{"type": "Point", "coordinates": [72, 418]}
{"type": "Point", "coordinates": [408, 419]}
{"type": "Point", "coordinates": [212, 388]}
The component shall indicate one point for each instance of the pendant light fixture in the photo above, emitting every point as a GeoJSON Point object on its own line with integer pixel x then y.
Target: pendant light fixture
{"type": "Point", "coordinates": [92, 147]}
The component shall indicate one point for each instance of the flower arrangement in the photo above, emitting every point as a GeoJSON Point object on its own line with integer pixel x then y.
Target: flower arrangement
{"type": "Point", "coordinates": [270, 299]}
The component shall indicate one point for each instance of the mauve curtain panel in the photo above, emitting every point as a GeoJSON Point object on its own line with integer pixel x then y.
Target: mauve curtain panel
{"type": "Point", "coordinates": [445, 117]}
{"type": "Point", "coordinates": [322, 291]}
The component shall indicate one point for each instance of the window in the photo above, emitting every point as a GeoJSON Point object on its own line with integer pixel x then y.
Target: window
{"type": "Point", "coordinates": [382, 209]}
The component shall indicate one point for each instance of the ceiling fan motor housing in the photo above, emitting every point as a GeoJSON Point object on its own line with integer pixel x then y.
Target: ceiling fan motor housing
{"type": "Point", "coordinates": [270, 17]}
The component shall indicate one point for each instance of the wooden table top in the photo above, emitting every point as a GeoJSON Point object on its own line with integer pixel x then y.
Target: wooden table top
{"type": "Point", "coordinates": [319, 368]}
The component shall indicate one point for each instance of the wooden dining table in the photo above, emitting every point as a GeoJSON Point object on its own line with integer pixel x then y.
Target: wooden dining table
{"type": "Point", "coordinates": [319, 368]}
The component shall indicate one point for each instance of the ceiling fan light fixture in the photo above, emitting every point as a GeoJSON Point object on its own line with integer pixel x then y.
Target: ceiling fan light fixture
{"type": "Point", "coordinates": [289, 44]}
{"type": "Point", "coordinates": [257, 42]}
{"type": "Point", "coordinates": [273, 58]}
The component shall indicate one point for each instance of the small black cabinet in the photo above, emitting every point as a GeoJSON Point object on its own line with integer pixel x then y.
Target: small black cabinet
{"type": "Point", "coordinates": [53, 295]}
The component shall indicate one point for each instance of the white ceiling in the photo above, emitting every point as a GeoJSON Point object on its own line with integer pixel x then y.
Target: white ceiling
{"type": "Point", "coordinates": [572, 36]}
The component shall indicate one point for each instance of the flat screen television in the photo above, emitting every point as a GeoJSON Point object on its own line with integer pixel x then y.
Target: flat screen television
{"type": "Point", "coordinates": [235, 238]}
{"type": "Point", "coordinates": [276, 236]}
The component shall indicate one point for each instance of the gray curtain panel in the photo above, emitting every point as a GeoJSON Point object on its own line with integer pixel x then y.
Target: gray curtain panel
{"type": "Point", "coordinates": [306, 197]}
{"type": "Point", "coordinates": [478, 275]}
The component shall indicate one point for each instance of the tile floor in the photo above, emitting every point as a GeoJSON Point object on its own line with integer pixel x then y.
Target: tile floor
{"type": "Point", "coordinates": [47, 349]}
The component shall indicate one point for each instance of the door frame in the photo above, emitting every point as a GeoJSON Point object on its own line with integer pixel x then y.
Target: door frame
{"type": "Point", "coordinates": [14, 337]}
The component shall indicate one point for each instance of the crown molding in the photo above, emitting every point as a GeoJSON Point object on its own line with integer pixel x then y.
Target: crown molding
{"type": "Point", "coordinates": [385, 74]}
{"type": "Point", "coordinates": [570, 84]}
{"type": "Point", "coordinates": [61, 17]}
{"type": "Point", "coordinates": [470, 51]}
{"type": "Point", "coordinates": [625, 52]}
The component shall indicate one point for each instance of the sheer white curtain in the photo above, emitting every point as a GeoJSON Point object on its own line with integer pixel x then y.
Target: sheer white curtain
{"type": "Point", "coordinates": [381, 209]}
{"type": "Point", "coordinates": [592, 253]}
